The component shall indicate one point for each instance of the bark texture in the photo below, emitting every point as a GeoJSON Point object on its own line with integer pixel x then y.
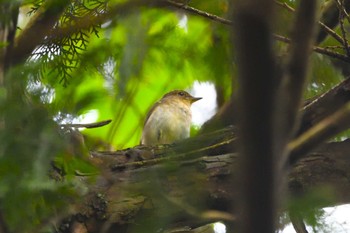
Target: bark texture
{"type": "Point", "coordinates": [192, 188]}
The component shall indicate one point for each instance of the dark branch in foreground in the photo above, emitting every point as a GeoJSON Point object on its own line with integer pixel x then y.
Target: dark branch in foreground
{"type": "Point", "coordinates": [257, 97]}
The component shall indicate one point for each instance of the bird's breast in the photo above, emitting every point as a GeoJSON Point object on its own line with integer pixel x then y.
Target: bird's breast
{"type": "Point", "coordinates": [167, 123]}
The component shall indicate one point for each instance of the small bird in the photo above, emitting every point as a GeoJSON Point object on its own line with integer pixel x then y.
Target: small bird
{"type": "Point", "coordinates": [169, 119]}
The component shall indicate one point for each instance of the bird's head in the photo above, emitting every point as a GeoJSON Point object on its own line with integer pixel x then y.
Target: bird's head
{"type": "Point", "coordinates": [182, 96]}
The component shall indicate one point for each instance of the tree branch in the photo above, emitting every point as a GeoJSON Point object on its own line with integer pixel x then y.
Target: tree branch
{"type": "Point", "coordinates": [276, 36]}
{"type": "Point", "coordinates": [297, 222]}
{"type": "Point", "coordinates": [342, 14]}
{"type": "Point", "coordinates": [325, 105]}
{"type": "Point", "coordinates": [88, 21]}
{"type": "Point", "coordinates": [195, 11]}
{"type": "Point", "coordinates": [88, 126]}
{"type": "Point", "coordinates": [325, 129]}
{"type": "Point", "coordinates": [8, 26]}
{"type": "Point", "coordinates": [121, 197]}
{"type": "Point", "coordinates": [317, 49]}
{"type": "Point", "coordinates": [36, 30]}
{"type": "Point", "coordinates": [256, 100]}
{"type": "Point", "coordinates": [294, 79]}
{"type": "Point", "coordinates": [327, 29]}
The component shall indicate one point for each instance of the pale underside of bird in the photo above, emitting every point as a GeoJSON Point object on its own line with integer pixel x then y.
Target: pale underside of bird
{"type": "Point", "coordinates": [169, 119]}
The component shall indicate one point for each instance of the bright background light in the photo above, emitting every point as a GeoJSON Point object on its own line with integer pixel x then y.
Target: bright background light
{"type": "Point", "coordinates": [205, 108]}
{"type": "Point", "coordinates": [89, 117]}
{"type": "Point", "coordinates": [336, 220]}
{"type": "Point", "coordinates": [219, 227]}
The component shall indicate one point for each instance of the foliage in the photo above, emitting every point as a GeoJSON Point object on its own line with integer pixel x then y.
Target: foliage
{"type": "Point", "coordinates": [134, 63]}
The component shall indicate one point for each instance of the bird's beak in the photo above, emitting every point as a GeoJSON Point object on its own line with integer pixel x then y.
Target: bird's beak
{"type": "Point", "coordinates": [194, 99]}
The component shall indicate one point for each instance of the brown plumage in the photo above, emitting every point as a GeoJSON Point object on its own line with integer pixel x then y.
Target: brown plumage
{"type": "Point", "coordinates": [169, 119]}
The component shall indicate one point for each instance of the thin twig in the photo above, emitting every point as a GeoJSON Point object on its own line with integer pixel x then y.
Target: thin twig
{"type": "Point", "coordinates": [285, 5]}
{"type": "Point", "coordinates": [199, 12]}
{"type": "Point", "coordinates": [333, 47]}
{"type": "Point", "coordinates": [323, 26]}
{"type": "Point", "coordinates": [342, 9]}
{"type": "Point", "coordinates": [331, 32]}
{"type": "Point", "coordinates": [88, 126]}
{"type": "Point", "coordinates": [341, 22]}
{"type": "Point", "coordinates": [332, 54]}
{"type": "Point", "coordinates": [316, 49]}
{"type": "Point", "coordinates": [276, 36]}
{"type": "Point", "coordinates": [84, 23]}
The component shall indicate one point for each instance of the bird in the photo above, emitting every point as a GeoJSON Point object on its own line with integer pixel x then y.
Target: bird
{"type": "Point", "coordinates": [169, 119]}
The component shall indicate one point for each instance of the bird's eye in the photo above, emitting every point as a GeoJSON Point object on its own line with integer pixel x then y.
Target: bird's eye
{"type": "Point", "coordinates": [181, 93]}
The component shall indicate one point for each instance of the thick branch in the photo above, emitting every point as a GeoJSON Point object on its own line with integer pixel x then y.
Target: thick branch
{"type": "Point", "coordinates": [256, 100]}
{"type": "Point", "coordinates": [162, 190]}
